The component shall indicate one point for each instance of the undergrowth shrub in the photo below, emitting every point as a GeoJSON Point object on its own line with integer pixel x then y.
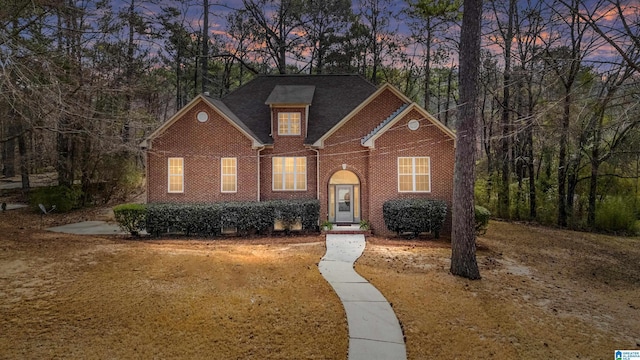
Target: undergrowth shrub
{"type": "Point", "coordinates": [482, 216]}
{"type": "Point", "coordinates": [616, 214]}
{"type": "Point", "coordinates": [414, 216]}
{"type": "Point", "coordinates": [117, 176]}
{"type": "Point", "coordinates": [64, 198]}
{"type": "Point", "coordinates": [131, 217]}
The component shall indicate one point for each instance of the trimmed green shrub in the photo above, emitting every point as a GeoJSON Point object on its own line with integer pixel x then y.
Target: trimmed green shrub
{"type": "Point", "coordinates": [64, 198]}
{"type": "Point", "coordinates": [414, 216]}
{"type": "Point", "coordinates": [482, 215]}
{"type": "Point", "coordinates": [292, 211]}
{"type": "Point", "coordinates": [245, 217]}
{"type": "Point", "coordinates": [190, 219]}
{"type": "Point", "coordinates": [131, 217]}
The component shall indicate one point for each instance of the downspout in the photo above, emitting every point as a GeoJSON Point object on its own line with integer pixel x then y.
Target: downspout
{"type": "Point", "coordinates": [317, 173]}
{"type": "Point", "coordinates": [306, 121]}
{"type": "Point", "coordinates": [258, 172]}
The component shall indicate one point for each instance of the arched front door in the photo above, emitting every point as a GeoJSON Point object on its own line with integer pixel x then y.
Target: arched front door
{"type": "Point", "coordinates": [344, 197]}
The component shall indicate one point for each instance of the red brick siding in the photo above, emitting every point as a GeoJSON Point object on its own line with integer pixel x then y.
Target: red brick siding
{"type": "Point", "coordinates": [202, 145]}
{"type": "Point", "coordinates": [344, 147]}
{"type": "Point", "coordinates": [399, 141]}
{"type": "Point", "coordinates": [287, 146]}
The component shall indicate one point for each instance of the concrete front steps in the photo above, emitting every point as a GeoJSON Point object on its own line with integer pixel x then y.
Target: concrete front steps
{"type": "Point", "coordinates": [347, 229]}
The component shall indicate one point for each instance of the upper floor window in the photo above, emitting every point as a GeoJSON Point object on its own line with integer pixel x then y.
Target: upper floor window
{"type": "Point", "coordinates": [289, 123]}
{"type": "Point", "coordinates": [414, 174]}
{"type": "Point", "coordinates": [176, 175]}
{"type": "Point", "coordinates": [289, 173]}
{"type": "Point", "coordinates": [229, 175]}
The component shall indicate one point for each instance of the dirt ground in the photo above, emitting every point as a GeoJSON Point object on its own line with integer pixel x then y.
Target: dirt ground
{"type": "Point", "coordinates": [86, 297]}
{"type": "Point", "coordinates": [545, 294]}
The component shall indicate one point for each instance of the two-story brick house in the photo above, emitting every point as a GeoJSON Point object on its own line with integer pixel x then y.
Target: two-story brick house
{"type": "Point", "coordinates": [336, 138]}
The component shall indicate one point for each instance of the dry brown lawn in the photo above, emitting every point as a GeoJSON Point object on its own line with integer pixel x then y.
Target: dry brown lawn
{"type": "Point", "coordinates": [545, 294]}
{"type": "Point", "coordinates": [85, 297]}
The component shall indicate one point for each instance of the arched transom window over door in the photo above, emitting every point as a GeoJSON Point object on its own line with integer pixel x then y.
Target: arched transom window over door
{"type": "Point", "coordinates": [344, 197]}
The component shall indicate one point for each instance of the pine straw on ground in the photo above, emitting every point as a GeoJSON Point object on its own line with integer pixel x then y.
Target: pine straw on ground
{"type": "Point", "coordinates": [66, 296]}
{"type": "Point", "coordinates": [544, 294]}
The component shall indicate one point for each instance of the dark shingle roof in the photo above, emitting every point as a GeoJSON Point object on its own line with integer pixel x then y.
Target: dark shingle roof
{"type": "Point", "coordinates": [291, 94]}
{"type": "Point", "coordinates": [334, 97]}
{"type": "Point", "coordinates": [225, 110]}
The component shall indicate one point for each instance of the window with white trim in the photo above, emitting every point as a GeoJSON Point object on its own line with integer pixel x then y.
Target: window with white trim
{"type": "Point", "coordinates": [289, 173]}
{"type": "Point", "coordinates": [228, 175]}
{"type": "Point", "coordinates": [175, 171]}
{"type": "Point", "coordinates": [289, 123]}
{"type": "Point", "coordinates": [414, 174]}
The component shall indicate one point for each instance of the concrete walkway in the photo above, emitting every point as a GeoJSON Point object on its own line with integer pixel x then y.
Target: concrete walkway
{"type": "Point", "coordinates": [89, 228]}
{"type": "Point", "coordinates": [15, 206]}
{"type": "Point", "coordinates": [374, 330]}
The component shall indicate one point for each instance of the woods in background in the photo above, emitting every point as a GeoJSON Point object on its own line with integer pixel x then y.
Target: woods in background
{"type": "Point", "coordinates": [82, 83]}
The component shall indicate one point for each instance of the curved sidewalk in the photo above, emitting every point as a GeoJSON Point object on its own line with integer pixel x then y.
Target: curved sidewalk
{"type": "Point", "coordinates": [374, 330]}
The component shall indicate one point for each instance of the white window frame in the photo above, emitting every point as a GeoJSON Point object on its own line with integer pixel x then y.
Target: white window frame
{"type": "Point", "coordinates": [289, 121]}
{"type": "Point", "coordinates": [169, 176]}
{"type": "Point", "coordinates": [283, 173]}
{"type": "Point", "coordinates": [413, 173]}
{"type": "Point", "coordinates": [235, 175]}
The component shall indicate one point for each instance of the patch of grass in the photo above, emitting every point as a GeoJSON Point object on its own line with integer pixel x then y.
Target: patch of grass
{"type": "Point", "coordinates": [616, 214]}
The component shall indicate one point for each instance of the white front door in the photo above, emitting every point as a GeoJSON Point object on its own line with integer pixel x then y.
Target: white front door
{"type": "Point", "coordinates": [344, 203]}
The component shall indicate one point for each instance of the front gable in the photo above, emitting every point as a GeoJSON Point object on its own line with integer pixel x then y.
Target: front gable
{"type": "Point", "coordinates": [217, 107]}
{"type": "Point", "coordinates": [406, 105]}
{"type": "Point", "coordinates": [387, 93]}
{"type": "Point", "coordinates": [423, 118]}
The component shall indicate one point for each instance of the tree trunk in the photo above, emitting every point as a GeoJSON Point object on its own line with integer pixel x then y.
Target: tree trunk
{"type": "Point", "coordinates": [65, 154]}
{"type": "Point", "coordinates": [505, 143]}
{"type": "Point", "coordinates": [448, 99]}
{"type": "Point", "coordinates": [562, 162]}
{"type": "Point", "coordinates": [572, 184]}
{"type": "Point", "coordinates": [8, 158]}
{"type": "Point", "coordinates": [9, 147]}
{"type": "Point", "coordinates": [463, 242]}
{"type": "Point", "coordinates": [24, 160]}
{"type": "Point", "coordinates": [427, 68]}
{"type": "Point", "coordinates": [593, 193]}
{"type": "Point", "coordinates": [282, 46]}
{"type": "Point", "coordinates": [129, 76]}
{"type": "Point", "coordinates": [530, 165]}
{"type": "Point", "coordinates": [205, 46]}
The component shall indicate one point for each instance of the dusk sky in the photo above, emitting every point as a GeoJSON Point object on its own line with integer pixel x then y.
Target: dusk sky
{"type": "Point", "coordinates": [221, 8]}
